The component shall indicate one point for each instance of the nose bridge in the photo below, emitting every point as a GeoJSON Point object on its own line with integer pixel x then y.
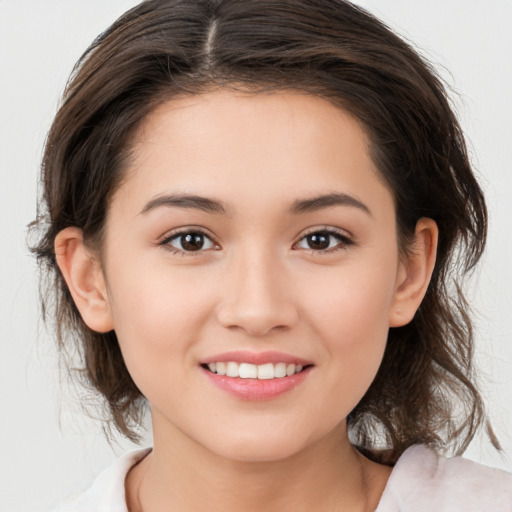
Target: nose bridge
{"type": "Point", "coordinates": [255, 297]}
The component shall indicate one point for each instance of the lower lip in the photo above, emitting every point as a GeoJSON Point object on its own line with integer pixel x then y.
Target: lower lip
{"type": "Point", "coordinates": [256, 389]}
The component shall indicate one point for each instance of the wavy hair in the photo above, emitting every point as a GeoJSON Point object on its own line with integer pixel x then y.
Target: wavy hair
{"type": "Point", "coordinates": [424, 390]}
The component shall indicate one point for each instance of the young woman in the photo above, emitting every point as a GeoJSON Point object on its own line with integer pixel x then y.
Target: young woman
{"type": "Point", "coordinates": [259, 217]}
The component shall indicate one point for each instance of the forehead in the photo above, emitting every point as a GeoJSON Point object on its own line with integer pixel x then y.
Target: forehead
{"type": "Point", "coordinates": [217, 118]}
{"type": "Point", "coordinates": [250, 146]}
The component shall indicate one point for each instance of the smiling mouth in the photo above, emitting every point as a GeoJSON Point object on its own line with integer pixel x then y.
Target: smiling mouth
{"type": "Point", "coordinates": [265, 371]}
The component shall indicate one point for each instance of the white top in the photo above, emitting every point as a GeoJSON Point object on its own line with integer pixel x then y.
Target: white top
{"type": "Point", "coordinates": [421, 481]}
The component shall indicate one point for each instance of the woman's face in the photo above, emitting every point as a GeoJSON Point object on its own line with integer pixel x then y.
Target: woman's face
{"type": "Point", "coordinates": [251, 229]}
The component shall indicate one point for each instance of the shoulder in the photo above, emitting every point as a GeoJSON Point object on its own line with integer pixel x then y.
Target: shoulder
{"type": "Point", "coordinates": [107, 492]}
{"type": "Point", "coordinates": [423, 481]}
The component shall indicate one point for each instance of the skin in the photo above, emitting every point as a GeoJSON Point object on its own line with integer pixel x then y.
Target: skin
{"type": "Point", "coordinates": [257, 284]}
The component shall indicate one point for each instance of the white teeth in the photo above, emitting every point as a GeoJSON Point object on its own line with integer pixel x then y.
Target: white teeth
{"type": "Point", "coordinates": [280, 370]}
{"type": "Point", "coordinates": [251, 371]}
{"type": "Point", "coordinates": [290, 369]}
{"type": "Point", "coordinates": [232, 369]}
{"type": "Point", "coordinates": [266, 371]}
{"type": "Point", "coordinates": [221, 368]}
{"type": "Point", "coordinates": [248, 371]}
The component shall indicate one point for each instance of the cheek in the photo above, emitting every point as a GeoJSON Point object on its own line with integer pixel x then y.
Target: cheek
{"type": "Point", "coordinates": [350, 312]}
{"type": "Point", "coordinates": [158, 315]}
{"type": "Point", "coordinates": [352, 303]}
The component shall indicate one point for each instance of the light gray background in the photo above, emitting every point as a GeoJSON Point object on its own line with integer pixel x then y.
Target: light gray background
{"type": "Point", "coordinates": [48, 448]}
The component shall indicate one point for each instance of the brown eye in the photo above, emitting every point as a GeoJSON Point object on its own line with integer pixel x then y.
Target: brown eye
{"type": "Point", "coordinates": [318, 241]}
{"type": "Point", "coordinates": [324, 241]}
{"type": "Point", "coordinates": [190, 241]}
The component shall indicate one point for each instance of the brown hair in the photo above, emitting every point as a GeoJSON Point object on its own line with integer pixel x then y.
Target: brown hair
{"type": "Point", "coordinates": [423, 392]}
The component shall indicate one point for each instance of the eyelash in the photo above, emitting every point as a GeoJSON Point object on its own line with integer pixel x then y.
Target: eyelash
{"type": "Point", "coordinates": [343, 241]}
{"type": "Point", "coordinates": [182, 233]}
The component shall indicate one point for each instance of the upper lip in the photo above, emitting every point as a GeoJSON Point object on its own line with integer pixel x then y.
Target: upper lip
{"type": "Point", "coordinates": [244, 356]}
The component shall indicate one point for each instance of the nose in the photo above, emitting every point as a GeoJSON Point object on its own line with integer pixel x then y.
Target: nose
{"type": "Point", "coordinates": [256, 296]}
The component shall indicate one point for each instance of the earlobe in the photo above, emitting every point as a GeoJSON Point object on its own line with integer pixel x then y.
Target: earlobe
{"type": "Point", "coordinates": [413, 276]}
{"type": "Point", "coordinates": [84, 278]}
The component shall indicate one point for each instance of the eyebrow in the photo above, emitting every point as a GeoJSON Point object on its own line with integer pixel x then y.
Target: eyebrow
{"type": "Point", "coordinates": [326, 201]}
{"type": "Point", "coordinates": [185, 201]}
{"type": "Point", "coordinates": [301, 206]}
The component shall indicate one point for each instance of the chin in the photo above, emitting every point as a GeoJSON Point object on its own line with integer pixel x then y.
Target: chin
{"type": "Point", "coordinates": [262, 445]}
{"type": "Point", "coordinates": [254, 452]}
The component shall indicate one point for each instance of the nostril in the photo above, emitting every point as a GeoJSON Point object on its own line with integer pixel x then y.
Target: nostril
{"type": "Point", "coordinates": [257, 323]}
{"type": "Point", "coordinates": [256, 306]}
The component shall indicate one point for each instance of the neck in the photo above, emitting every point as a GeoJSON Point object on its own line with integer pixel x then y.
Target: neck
{"type": "Point", "coordinates": [181, 475]}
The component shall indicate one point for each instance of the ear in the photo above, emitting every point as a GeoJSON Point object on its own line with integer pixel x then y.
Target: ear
{"type": "Point", "coordinates": [414, 273]}
{"type": "Point", "coordinates": [84, 277]}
